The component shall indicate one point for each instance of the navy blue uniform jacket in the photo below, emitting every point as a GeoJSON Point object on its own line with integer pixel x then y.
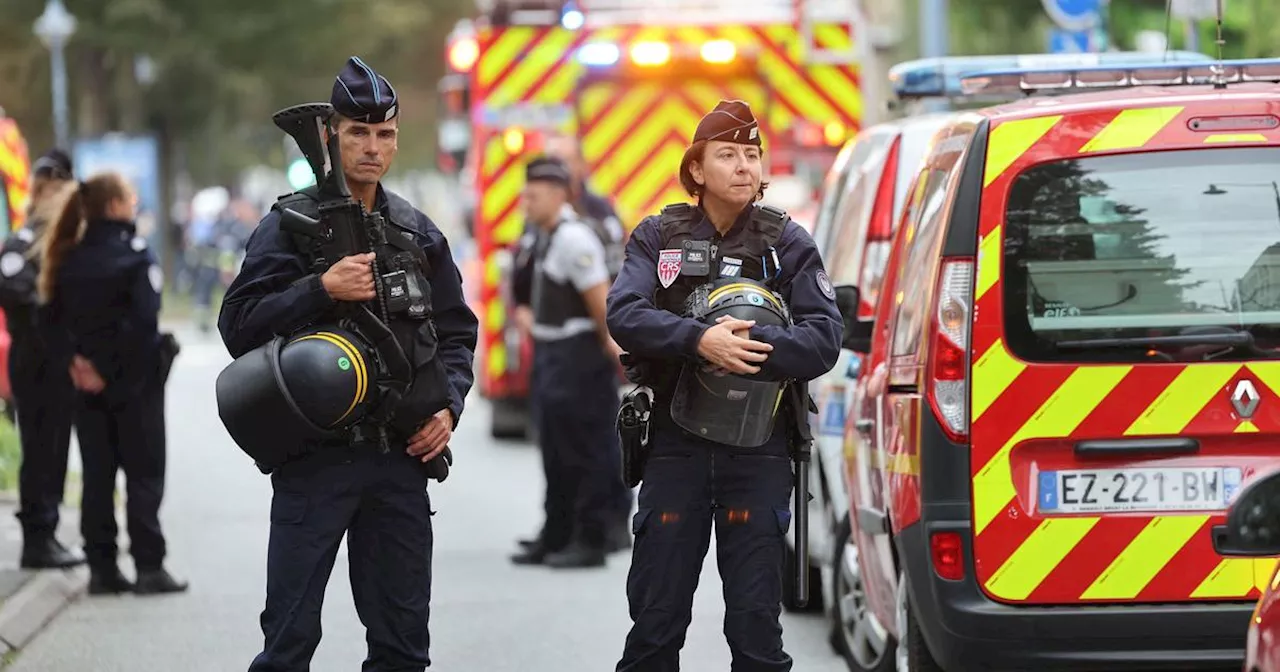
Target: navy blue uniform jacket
{"type": "Point", "coordinates": [276, 294]}
{"type": "Point", "coordinates": [106, 307]}
{"type": "Point", "coordinates": [803, 351]}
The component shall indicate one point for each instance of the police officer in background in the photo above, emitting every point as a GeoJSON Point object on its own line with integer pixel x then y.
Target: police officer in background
{"type": "Point", "coordinates": [741, 481]}
{"type": "Point", "coordinates": [42, 391]}
{"type": "Point", "coordinates": [598, 213]}
{"type": "Point", "coordinates": [378, 500]}
{"type": "Point", "coordinates": [574, 376]}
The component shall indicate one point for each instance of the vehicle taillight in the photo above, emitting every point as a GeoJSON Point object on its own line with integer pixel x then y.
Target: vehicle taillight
{"type": "Point", "coordinates": [947, 551]}
{"type": "Point", "coordinates": [879, 236]}
{"type": "Point", "coordinates": [948, 387]}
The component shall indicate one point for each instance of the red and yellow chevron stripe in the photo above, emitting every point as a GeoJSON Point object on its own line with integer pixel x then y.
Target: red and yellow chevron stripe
{"type": "Point", "coordinates": [1027, 415]}
{"type": "Point", "coordinates": [633, 134]}
{"type": "Point", "coordinates": [15, 167]}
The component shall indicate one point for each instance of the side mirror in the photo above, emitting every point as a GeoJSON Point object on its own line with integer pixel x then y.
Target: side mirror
{"type": "Point", "coordinates": [1253, 522]}
{"type": "Point", "coordinates": [857, 333]}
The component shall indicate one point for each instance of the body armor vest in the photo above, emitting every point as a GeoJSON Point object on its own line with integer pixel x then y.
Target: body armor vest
{"type": "Point", "coordinates": [554, 302]}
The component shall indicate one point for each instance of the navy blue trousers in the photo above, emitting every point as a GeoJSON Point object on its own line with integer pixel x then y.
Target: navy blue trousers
{"type": "Point", "coordinates": [577, 404]}
{"type": "Point", "coordinates": [45, 402]}
{"type": "Point", "coordinates": [380, 502]}
{"type": "Point", "coordinates": [691, 486]}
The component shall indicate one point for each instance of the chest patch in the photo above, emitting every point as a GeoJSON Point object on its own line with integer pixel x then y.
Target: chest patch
{"type": "Point", "coordinates": [669, 266]}
{"type": "Point", "coordinates": [138, 244]}
{"type": "Point", "coordinates": [156, 276]}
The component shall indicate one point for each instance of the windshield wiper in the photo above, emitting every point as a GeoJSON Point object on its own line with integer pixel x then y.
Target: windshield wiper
{"type": "Point", "coordinates": [1234, 338]}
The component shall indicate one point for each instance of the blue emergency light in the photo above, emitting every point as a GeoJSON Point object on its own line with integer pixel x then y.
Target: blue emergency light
{"type": "Point", "coordinates": [1113, 76]}
{"type": "Point", "coordinates": [941, 77]}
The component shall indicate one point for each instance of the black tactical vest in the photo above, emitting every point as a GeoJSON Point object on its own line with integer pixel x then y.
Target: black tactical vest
{"type": "Point", "coordinates": [751, 247]}
{"type": "Point", "coordinates": [19, 272]}
{"type": "Point", "coordinates": [554, 302]}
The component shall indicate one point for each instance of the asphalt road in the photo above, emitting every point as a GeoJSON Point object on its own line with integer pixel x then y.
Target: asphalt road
{"type": "Point", "coordinates": [487, 616]}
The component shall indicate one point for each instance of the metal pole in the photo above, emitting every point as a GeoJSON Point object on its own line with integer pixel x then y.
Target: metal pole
{"type": "Point", "coordinates": [934, 24]}
{"type": "Point", "coordinates": [1192, 33]}
{"type": "Point", "coordinates": [58, 62]}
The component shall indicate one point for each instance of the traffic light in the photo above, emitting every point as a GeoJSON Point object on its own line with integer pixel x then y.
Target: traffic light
{"type": "Point", "coordinates": [300, 174]}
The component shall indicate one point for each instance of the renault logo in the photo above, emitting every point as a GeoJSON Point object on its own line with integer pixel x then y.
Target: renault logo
{"type": "Point", "coordinates": [1245, 399]}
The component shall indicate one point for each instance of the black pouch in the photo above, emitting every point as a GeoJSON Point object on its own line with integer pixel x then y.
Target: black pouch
{"type": "Point", "coordinates": [634, 420]}
{"type": "Point", "coordinates": [169, 349]}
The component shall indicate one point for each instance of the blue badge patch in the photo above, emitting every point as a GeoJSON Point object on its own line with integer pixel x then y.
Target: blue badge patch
{"type": "Point", "coordinates": [824, 286]}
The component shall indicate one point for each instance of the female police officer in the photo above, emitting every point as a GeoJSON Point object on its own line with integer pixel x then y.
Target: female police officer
{"type": "Point", "coordinates": [102, 297]}
{"type": "Point", "coordinates": [690, 481]}
{"type": "Point", "coordinates": [43, 394]}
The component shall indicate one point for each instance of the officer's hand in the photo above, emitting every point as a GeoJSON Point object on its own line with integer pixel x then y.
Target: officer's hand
{"type": "Point", "coordinates": [351, 279]}
{"type": "Point", "coordinates": [85, 377]}
{"type": "Point", "coordinates": [434, 436]}
{"type": "Point", "coordinates": [524, 319]}
{"type": "Point", "coordinates": [721, 346]}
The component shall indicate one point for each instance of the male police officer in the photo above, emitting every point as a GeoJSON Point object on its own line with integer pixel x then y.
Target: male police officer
{"type": "Point", "coordinates": [378, 500]}
{"type": "Point", "coordinates": [574, 376]}
{"type": "Point", "coordinates": [716, 380]}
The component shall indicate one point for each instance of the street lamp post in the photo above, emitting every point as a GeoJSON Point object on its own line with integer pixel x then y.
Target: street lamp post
{"type": "Point", "coordinates": [54, 27]}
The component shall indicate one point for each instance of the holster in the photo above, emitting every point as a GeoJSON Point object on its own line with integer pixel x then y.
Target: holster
{"type": "Point", "coordinates": [634, 419]}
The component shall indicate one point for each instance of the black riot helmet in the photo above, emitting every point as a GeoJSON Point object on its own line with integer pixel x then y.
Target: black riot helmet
{"type": "Point", "coordinates": [309, 386]}
{"type": "Point", "coordinates": [728, 408]}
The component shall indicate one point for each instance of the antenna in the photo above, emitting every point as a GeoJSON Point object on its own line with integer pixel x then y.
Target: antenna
{"type": "Point", "coordinates": [1220, 74]}
{"type": "Point", "coordinates": [1168, 28]}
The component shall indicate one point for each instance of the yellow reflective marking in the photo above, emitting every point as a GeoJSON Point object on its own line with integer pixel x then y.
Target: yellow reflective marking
{"type": "Point", "coordinates": [902, 463]}
{"type": "Point", "coordinates": [1263, 570]}
{"type": "Point", "coordinates": [492, 271]}
{"type": "Point", "coordinates": [616, 122]}
{"type": "Point", "coordinates": [503, 190]}
{"type": "Point", "coordinates": [497, 360]}
{"type": "Point", "coordinates": [1131, 128]}
{"type": "Point", "coordinates": [988, 261]}
{"type": "Point", "coordinates": [1235, 137]}
{"type": "Point", "coordinates": [356, 362]}
{"type": "Point", "coordinates": [994, 371]}
{"type": "Point", "coordinates": [744, 287]}
{"type": "Point", "coordinates": [1182, 399]}
{"type": "Point", "coordinates": [549, 53]}
{"type": "Point", "coordinates": [494, 155]}
{"type": "Point", "coordinates": [1268, 373]}
{"type": "Point", "coordinates": [1233, 577]}
{"type": "Point", "coordinates": [1027, 568]}
{"type": "Point", "coordinates": [500, 52]}
{"type": "Point", "coordinates": [1246, 427]}
{"type": "Point", "coordinates": [1078, 395]}
{"type": "Point", "coordinates": [495, 316]}
{"type": "Point", "coordinates": [1144, 557]}
{"type": "Point", "coordinates": [1011, 140]}
{"type": "Point", "coordinates": [509, 229]}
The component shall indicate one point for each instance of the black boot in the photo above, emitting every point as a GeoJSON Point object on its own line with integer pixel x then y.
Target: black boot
{"type": "Point", "coordinates": [532, 554]}
{"type": "Point", "coordinates": [577, 555]}
{"type": "Point", "coordinates": [43, 551]}
{"type": "Point", "coordinates": [158, 582]}
{"type": "Point", "coordinates": [108, 581]}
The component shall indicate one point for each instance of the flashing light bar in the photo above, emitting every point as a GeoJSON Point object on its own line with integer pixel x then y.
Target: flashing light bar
{"type": "Point", "coordinates": [599, 54]}
{"type": "Point", "coordinates": [941, 77]}
{"type": "Point", "coordinates": [651, 54]}
{"type": "Point", "coordinates": [1119, 76]}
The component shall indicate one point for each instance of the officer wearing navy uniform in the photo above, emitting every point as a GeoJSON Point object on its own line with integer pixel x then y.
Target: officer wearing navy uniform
{"type": "Point", "coordinates": [102, 300]}
{"type": "Point", "coordinates": [574, 376]}
{"type": "Point", "coordinates": [43, 395]}
{"type": "Point", "coordinates": [377, 499]}
{"type": "Point", "coordinates": [718, 461]}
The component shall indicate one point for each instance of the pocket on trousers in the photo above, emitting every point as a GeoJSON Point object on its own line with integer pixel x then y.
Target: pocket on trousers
{"type": "Point", "coordinates": [784, 520]}
{"type": "Point", "coordinates": [639, 520]}
{"type": "Point", "coordinates": [288, 508]}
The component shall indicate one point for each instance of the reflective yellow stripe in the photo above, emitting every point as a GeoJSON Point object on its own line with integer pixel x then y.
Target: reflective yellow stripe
{"type": "Point", "coordinates": [1144, 557]}
{"type": "Point", "coordinates": [1235, 137]}
{"type": "Point", "coordinates": [1027, 568]}
{"type": "Point", "coordinates": [988, 261]}
{"type": "Point", "coordinates": [1012, 139]}
{"type": "Point", "coordinates": [356, 361]}
{"type": "Point", "coordinates": [1233, 577]}
{"type": "Point", "coordinates": [1263, 570]}
{"type": "Point", "coordinates": [743, 287]}
{"type": "Point", "coordinates": [1185, 397]}
{"type": "Point", "coordinates": [994, 371]}
{"type": "Point", "coordinates": [497, 359]}
{"type": "Point", "coordinates": [496, 315]}
{"type": "Point", "coordinates": [1078, 395]}
{"type": "Point", "coordinates": [1246, 427]}
{"type": "Point", "coordinates": [1131, 128]}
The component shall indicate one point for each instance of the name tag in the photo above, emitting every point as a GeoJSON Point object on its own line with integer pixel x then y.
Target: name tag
{"type": "Point", "coordinates": [730, 267]}
{"type": "Point", "coordinates": [696, 258]}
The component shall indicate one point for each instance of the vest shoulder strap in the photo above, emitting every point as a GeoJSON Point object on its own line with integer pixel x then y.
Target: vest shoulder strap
{"type": "Point", "coordinates": [768, 222]}
{"type": "Point", "coordinates": [304, 202]}
{"type": "Point", "coordinates": [676, 218]}
{"type": "Point", "coordinates": [402, 211]}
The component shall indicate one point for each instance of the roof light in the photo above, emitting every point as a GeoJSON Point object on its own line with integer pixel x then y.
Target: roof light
{"type": "Point", "coordinates": [463, 54]}
{"type": "Point", "coordinates": [650, 53]}
{"type": "Point", "coordinates": [572, 18]}
{"type": "Point", "coordinates": [1120, 76]}
{"type": "Point", "coordinates": [834, 132]}
{"type": "Point", "coordinates": [719, 51]}
{"type": "Point", "coordinates": [599, 54]}
{"type": "Point", "coordinates": [940, 77]}
{"type": "Point", "coordinates": [513, 141]}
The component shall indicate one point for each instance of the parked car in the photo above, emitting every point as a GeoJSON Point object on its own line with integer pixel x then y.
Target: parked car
{"type": "Point", "coordinates": [1251, 536]}
{"type": "Point", "coordinates": [861, 205]}
{"type": "Point", "coordinates": [1069, 378]}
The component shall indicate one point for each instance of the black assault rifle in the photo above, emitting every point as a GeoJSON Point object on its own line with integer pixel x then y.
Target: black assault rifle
{"type": "Point", "coordinates": [343, 229]}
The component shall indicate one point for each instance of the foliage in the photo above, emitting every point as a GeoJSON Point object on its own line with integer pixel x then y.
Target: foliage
{"type": "Point", "coordinates": [10, 455]}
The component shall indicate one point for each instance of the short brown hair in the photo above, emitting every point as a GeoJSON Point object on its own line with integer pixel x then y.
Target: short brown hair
{"type": "Point", "coordinates": [696, 152]}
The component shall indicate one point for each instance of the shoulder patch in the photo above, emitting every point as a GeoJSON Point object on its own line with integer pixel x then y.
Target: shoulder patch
{"type": "Point", "coordinates": [11, 264]}
{"type": "Point", "coordinates": [25, 235]}
{"type": "Point", "coordinates": [138, 244]}
{"type": "Point", "coordinates": [156, 276]}
{"type": "Point", "coordinates": [669, 266]}
{"type": "Point", "coordinates": [824, 285]}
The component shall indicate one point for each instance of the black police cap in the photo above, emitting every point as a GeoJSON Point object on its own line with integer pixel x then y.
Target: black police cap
{"type": "Point", "coordinates": [54, 163]}
{"type": "Point", "coordinates": [548, 169]}
{"type": "Point", "coordinates": [731, 121]}
{"type": "Point", "coordinates": [360, 94]}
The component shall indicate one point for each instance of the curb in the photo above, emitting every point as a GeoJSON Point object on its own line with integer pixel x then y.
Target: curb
{"type": "Point", "coordinates": [44, 595]}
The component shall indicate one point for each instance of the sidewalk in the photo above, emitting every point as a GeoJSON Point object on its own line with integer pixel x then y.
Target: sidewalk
{"type": "Point", "coordinates": [29, 600]}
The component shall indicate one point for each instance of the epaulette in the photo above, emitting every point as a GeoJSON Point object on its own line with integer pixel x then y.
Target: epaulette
{"type": "Point", "coordinates": [770, 214]}
{"type": "Point", "coordinates": [768, 222]}
{"type": "Point", "coordinates": [677, 212]}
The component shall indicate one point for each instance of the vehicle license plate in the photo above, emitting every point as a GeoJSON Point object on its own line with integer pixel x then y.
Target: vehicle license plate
{"type": "Point", "coordinates": [1121, 490]}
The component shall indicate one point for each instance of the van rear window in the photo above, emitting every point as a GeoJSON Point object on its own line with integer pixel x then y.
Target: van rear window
{"type": "Point", "coordinates": [1157, 256]}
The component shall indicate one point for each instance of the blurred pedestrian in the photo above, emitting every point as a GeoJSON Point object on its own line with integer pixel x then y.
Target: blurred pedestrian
{"type": "Point", "coordinates": [101, 289]}
{"type": "Point", "coordinates": [43, 395]}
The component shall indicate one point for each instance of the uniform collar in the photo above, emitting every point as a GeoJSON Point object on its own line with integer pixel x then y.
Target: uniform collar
{"type": "Point", "coordinates": [106, 228]}
{"type": "Point", "coordinates": [705, 229]}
